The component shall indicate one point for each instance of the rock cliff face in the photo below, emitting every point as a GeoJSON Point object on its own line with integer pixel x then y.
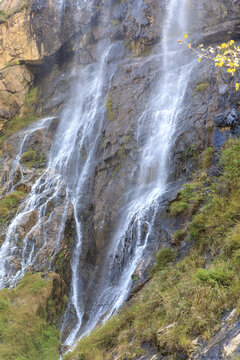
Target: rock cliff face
{"type": "Point", "coordinates": [38, 49]}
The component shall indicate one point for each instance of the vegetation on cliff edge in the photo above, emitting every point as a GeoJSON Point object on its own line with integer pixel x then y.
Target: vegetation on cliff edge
{"type": "Point", "coordinates": [25, 333]}
{"type": "Point", "coordinates": [185, 299]}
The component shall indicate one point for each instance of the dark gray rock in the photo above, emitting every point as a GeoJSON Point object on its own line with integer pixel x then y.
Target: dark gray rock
{"type": "Point", "coordinates": [225, 344]}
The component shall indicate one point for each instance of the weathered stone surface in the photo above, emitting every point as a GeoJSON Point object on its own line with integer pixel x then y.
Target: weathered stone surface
{"type": "Point", "coordinates": [16, 42]}
{"type": "Point", "coordinates": [11, 6]}
{"type": "Point", "coordinates": [14, 85]}
{"type": "Point", "coordinates": [225, 344]}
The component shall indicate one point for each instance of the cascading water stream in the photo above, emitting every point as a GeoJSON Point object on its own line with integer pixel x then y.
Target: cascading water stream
{"type": "Point", "coordinates": [157, 126]}
{"type": "Point", "coordinates": [70, 170]}
{"type": "Point", "coordinates": [90, 130]}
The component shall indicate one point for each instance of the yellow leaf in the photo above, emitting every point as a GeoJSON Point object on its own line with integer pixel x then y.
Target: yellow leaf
{"type": "Point", "coordinates": [231, 42]}
{"type": "Point", "coordinates": [223, 46]}
{"type": "Point", "coordinates": [237, 86]}
{"type": "Point", "coordinates": [189, 46]}
{"type": "Point", "coordinates": [185, 36]}
{"type": "Point", "coordinates": [199, 59]}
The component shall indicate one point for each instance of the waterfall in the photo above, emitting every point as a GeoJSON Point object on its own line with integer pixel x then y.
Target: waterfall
{"type": "Point", "coordinates": [157, 127]}
{"type": "Point", "coordinates": [70, 171]}
{"type": "Point", "coordinates": [92, 115]}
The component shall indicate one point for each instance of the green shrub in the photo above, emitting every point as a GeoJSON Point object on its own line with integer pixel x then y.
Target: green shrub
{"type": "Point", "coordinates": [215, 276]}
{"type": "Point", "coordinates": [30, 155]}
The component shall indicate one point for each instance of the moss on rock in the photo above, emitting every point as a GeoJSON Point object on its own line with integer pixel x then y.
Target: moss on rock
{"type": "Point", "coordinates": [10, 203]}
{"type": "Point", "coordinates": [31, 158]}
{"type": "Point", "coordinates": [201, 87]}
{"type": "Point", "coordinates": [109, 106]}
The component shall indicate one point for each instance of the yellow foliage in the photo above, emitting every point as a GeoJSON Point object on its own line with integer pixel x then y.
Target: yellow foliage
{"type": "Point", "coordinates": [226, 55]}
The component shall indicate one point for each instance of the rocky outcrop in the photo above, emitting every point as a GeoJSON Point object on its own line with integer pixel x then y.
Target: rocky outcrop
{"type": "Point", "coordinates": [225, 344]}
{"type": "Point", "coordinates": [14, 86]}
{"type": "Point", "coordinates": [17, 45]}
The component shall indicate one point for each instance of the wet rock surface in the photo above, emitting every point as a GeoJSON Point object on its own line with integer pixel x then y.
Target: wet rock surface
{"type": "Point", "coordinates": [209, 117]}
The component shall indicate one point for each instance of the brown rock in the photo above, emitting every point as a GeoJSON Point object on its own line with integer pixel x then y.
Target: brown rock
{"type": "Point", "coordinates": [16, 43]}
{"type": "Point", "coordinates": [14, 86]}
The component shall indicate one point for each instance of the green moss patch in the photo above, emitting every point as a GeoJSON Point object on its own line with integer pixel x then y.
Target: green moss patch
{"type": "Point", "coordinates": [31, 158]}
{"type": "Point", "coordinates": [201, 87]}
{"type": "Point", "coordinates": [10, 203]}
{"type": "Point", "coordinates": [163, 258]}
{"type": "Point", "coordinates": [109, 106]}
{"type": "Point", "coordinates": [184, 300]}
{"type": "Point", "coordinates": [24, 331]}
